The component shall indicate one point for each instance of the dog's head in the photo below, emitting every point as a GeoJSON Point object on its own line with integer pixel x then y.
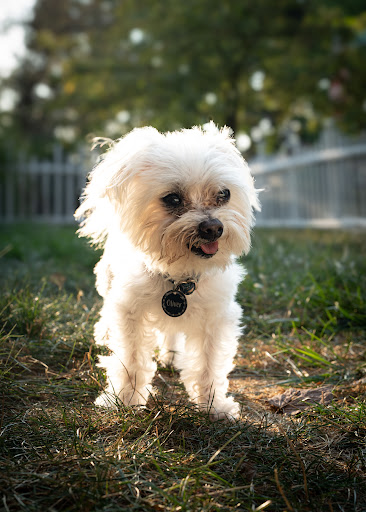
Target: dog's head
{"type": "Point", "coordinates": [185, 198]}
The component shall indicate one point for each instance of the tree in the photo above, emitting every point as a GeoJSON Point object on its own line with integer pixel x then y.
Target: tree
{"type": "Point", "coordinates": [104, 66]}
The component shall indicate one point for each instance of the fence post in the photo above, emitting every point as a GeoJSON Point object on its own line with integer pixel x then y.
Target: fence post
{"type": "Point", "coordinates": [71, 172]}
{"type": "Point", "coordinates": [45, 171]}
{"type": "Point", "coordinates": [58, 189]}
{"type": "Point", "coordinates": [294, 200]}
{"type": "Point", "coordinates": [32, 189]}
{"type": "Point", "coordinates": [9, 193]}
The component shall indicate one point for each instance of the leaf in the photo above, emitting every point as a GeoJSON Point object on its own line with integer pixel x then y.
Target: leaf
{"type": "Point", "coordinates": [293, 401]}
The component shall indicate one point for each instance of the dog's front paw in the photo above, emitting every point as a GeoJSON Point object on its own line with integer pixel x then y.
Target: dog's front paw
{"type": "Point", "coordinates": [107, 400]}
{"type": "Point", "coordinates": [127, 397]}
{"type": "Point", "coordinates": [226, 409]}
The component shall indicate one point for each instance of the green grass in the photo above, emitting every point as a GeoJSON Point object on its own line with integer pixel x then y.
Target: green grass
{"type": "Point", "coordinates": [304, 303]}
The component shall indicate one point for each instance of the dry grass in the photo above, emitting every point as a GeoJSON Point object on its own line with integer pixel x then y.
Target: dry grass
{"type": "Point", "coordinates": [304, 308]}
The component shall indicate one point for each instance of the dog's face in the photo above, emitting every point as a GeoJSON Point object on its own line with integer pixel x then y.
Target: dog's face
{"type": "Point", "coordinates": [184, 198]}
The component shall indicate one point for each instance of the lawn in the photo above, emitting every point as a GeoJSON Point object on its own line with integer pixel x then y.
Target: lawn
{"type": "Point", "coordinates": [304, 308]}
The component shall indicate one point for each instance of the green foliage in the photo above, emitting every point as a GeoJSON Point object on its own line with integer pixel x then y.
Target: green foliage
{"type": "Point", "coordinates": [110, 66]}
{"type": "Point", "coordinates": [58, 452]}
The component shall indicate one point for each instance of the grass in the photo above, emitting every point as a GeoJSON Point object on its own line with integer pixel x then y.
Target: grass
{"type": "Point", "coordinates": [305, 315]}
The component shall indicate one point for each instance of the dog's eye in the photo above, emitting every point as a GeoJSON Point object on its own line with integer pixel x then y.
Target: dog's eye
{"type": "Point", "coordinates": [172, 200]}
{"type": "Point", "coordinates": [223, 196]}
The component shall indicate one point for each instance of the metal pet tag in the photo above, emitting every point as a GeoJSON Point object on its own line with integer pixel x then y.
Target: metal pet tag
{"type": "Point", "coordinates": [174, 303]}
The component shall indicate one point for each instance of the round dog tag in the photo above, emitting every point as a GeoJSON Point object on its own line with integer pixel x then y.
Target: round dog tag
{"type": "Point", "coordinates": [174, 303]}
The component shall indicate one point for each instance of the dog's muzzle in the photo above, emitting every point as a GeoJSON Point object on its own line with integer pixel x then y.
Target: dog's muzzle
{"type": "Point", "coordinates": [209, 231]}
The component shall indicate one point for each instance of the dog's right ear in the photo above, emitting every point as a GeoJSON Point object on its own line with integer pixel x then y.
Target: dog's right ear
{"type": "Point", "coordinates": [120, 162]}
{"type": "Point", "coordinates": [117, 165]}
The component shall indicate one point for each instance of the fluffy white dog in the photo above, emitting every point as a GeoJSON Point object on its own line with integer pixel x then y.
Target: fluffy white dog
{"type": "Point", "coordinates": [172, 212]}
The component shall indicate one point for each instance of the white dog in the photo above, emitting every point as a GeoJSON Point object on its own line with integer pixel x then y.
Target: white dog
{"type": "Point", "coordinates": [172, 212]}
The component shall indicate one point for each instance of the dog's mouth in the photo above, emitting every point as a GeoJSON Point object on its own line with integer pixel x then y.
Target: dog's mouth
{"type": "Point", "coordinates": [206, 250]}
{"type": "Point", "coordinates": [205, 244]}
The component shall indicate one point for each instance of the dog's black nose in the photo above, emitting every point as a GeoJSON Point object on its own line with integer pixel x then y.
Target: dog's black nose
{"type": "Point", "coordinates": [210, 229]}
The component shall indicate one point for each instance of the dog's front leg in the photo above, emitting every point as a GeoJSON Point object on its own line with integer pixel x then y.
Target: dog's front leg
{"type": "Point", "coordinates": [207, 362]}
{"type": "Point", "coordinates": [130, 367]}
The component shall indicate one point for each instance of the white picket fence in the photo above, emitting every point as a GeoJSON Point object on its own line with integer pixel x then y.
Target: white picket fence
{"type": "Point", "coordinates": [45, 191]}
{"type": "Point", "coordinates": [322, 186]}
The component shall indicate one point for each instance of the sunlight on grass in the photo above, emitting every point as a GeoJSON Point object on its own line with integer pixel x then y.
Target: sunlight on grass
{"type": "Point", "coordinates": [304, 310]}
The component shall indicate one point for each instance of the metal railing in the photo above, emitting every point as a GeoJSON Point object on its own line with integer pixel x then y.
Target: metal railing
{"type": "Point", "coordinates": [323, 188]}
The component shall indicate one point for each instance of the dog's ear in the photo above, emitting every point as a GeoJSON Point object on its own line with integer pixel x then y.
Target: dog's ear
{"type": "Point", "coordinates": [121, 161]}
{"type": "Point", "coordinates": [117, 165]}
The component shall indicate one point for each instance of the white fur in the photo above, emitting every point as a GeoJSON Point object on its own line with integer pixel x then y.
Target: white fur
{"type": "Point", "coordinates": [146, 245]}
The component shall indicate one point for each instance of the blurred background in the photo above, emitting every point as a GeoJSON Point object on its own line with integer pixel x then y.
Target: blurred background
{"type": "Point", "coordinates": [289, 78]}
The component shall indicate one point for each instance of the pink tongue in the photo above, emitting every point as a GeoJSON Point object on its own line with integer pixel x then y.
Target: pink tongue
{"type": "Point", "coordinates": [211, 248]}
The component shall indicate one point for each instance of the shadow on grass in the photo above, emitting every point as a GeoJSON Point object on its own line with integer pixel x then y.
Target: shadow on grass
{"type": "Point", "coordinates": [58, 452]}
